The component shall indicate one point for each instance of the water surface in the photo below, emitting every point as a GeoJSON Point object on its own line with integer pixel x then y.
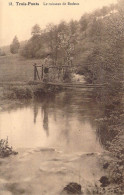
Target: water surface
{"type": "Point", "coordinates": [64, 121]}
{"type": "Point", "coordinates": [58, 142]}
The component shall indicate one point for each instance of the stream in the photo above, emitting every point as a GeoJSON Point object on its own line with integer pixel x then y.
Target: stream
{"type": "Point", "coordinates": [57, 142]}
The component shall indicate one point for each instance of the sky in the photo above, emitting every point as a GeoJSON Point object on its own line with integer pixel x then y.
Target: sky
{"type": "Point", "coordinates": [19, 20]}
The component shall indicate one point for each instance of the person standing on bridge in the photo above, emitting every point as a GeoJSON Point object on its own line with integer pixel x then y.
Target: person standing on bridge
{"type": "Point", "coordinates": [47, 64]}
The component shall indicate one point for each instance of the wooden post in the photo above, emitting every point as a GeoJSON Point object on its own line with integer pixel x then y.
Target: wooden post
{"type": "Point", "coordinates": [35, 74]}
{"type": "Point", "coordinates": [42, 69]}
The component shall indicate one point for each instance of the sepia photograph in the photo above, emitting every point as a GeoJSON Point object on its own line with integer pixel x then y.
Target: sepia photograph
{"type": "Point", "coordinates": [62, 97]}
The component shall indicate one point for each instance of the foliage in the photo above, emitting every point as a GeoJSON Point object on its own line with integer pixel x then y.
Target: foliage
{"type": "Point", "coordinates": [32, 47]}
{"type": "Point", "coordinates": [5, 150]}
{"type": "Point", "coordinates": [94, 45]}
{"type": "Point", "coordinates": [14, 47]}
{"type": "Point", "coordinates": [36, 30]}
{"type": "Point", "coordinates": [110, 132]}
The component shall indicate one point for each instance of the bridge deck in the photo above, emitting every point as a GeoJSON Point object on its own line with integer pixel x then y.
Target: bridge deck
{"type": "Point", "coordinates": [71, 85]}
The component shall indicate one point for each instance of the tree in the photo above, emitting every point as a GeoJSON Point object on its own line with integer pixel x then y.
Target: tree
{"type": "Point", "coordinates": [83, 22]}
{"type": "Point", "coordinates": [14, 47]}
{"type": "Point", "coordinates": [34, 46]}
{"type": "Point", "coordinates": [36, 30]}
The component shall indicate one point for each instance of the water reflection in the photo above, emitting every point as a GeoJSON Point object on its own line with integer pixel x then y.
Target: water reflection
{"type": "Point", "coordinates": [35, 109]}
{"type": "Point", "coordinates": [45, 120]}
{"type": "Point", "coordinates": [65, 121]}
{"type": "Point", "coordinates": [44, 116]}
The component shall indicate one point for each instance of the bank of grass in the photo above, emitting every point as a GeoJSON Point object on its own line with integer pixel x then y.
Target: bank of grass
{"type": "Point", "coordinates": [15, 68]}
{"type": "Point", "coordinates": [16, 79]}
{"type": "Point", "coordinates": [16, 94]}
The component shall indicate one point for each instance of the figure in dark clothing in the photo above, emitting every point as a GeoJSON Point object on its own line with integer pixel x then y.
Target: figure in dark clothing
{"type": "Point", "coordinates": [47, 64]}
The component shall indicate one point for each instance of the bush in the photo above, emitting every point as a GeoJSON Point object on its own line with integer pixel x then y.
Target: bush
{"type": "Point", "coordinates": [5, 150]}
{"type": "Point", "coordinates": [20, 92]}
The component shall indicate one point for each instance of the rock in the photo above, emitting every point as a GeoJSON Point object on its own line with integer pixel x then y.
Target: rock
{"type": "Point", "coordinates": [90, 154]}
{"type": "Point", "coordinates": [104, 181]}
{"type": "Point", "coordinates": [47, 150]}
{"type": "Point", "coordinates": [72, 188]}
{"type": "Point", "coordinates": [15, 153]}
{"type": "Point", "coordinates": [105, 166]}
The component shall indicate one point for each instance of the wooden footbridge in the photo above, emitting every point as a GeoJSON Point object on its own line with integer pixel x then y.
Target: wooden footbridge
{"type": "Point", "coordinates": [59, 76]}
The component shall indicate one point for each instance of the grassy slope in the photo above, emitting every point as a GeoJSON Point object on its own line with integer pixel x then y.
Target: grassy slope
{"type": "Point", "coordinates": [16, 68]}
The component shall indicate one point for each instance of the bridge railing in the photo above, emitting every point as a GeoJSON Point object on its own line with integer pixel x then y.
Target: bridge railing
{"type": "Point", "coordinates": [54, 71]}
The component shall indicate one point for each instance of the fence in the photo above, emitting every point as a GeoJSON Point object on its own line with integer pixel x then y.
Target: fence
{"type": "Point", "coordinates": [55, 73]}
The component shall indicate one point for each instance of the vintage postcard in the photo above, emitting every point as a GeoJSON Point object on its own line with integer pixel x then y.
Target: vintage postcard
{"type": "Point", "coordinates": [61, 97]}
